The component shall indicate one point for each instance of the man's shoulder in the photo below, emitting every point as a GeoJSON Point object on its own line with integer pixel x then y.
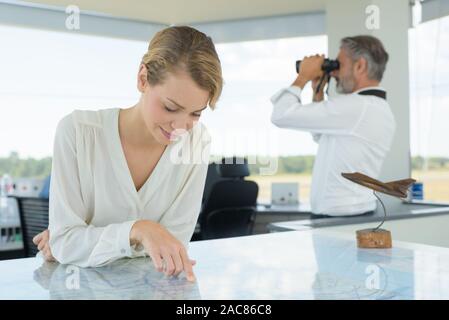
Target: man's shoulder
{"type": "Point", "coordinates": [355, 99]}
{"type": "Point", "coordinates": [347, 100]}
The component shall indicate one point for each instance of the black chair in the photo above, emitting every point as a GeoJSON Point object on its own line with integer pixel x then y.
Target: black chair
{"type": "Point", "coordinates": [229, 210]}
{"type": "Point", "coordinates": [213, 176]}
{"type": "Point", "coordinates": [33, 214]}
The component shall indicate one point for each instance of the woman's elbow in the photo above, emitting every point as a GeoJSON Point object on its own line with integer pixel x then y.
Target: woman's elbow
{"type": "Point", "coordinates": [62, 251]}
{"type": "Point", "coordinates": [59, 251]}
{"type": "Point", "coordinates": [276, 120]}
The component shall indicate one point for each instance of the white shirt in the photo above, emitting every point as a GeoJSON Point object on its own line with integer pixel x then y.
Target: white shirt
{"type": "Point", "coordinates": [93, 200]}
{"type": "Point", "coordinates": [354, 133]}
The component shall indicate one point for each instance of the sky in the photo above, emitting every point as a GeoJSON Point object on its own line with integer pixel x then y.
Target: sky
{"type": "Point", "coordinates": [44, 75]}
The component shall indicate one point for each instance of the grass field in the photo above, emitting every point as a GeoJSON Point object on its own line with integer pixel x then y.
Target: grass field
{"type": "Point", "coordinates": [436, 184]}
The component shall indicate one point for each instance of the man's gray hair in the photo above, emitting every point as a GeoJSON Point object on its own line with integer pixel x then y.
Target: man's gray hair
{"type": "Point", "coordinates": [371, 49]}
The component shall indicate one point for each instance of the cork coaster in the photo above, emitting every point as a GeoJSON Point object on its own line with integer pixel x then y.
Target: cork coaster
{"type": "Point", "coordinates": [371, 238]}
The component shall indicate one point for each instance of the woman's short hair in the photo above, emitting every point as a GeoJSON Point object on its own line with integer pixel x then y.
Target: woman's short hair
{"type": "Point", "coordinates": [371, 49]}
{"type": "Point", "coordinates": [185, 48]}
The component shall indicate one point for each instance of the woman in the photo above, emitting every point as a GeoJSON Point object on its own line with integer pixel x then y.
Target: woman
{"type": "Point", "coordinates": [129, 182]}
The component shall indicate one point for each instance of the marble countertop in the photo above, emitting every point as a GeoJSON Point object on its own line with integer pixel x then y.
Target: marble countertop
{"type": "Point", "coordinates": [315, 264]}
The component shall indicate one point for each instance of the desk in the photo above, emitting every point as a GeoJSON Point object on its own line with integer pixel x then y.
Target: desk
{"type": "Point", "coordinates": [11, 244]}
{"type": "Point", "coordinates": [268, 213]}
{"type": "Point", "coordinates": [402, 211]}
{"type": "Point", "coordinates": [288, 265]}
{"type": "Point", "coordinates": [410, 222]}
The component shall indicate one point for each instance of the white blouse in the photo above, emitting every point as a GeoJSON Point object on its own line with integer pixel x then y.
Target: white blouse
{"type": "Point", "coordinates": [93, 200]}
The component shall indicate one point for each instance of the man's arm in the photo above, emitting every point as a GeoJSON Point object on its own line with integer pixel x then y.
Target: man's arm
{"type": "Point", "coordinates": [338, 115]}
{"type": "Point", "coordinates": [319, 96]}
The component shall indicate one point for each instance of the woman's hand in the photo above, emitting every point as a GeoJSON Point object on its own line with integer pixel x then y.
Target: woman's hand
{"type": "Point", "coordinates": [42, 243]}
{"type": "Point", "coordinates": [168, 254]}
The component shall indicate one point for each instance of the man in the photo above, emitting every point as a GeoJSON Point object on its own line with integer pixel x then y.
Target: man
{"type": "Point", "coordinates": [354, 130]}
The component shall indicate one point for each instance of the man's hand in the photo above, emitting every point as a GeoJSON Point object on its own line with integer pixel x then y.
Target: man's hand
{"type": "Point", "coordinates": [167, 253]}
{"type": "Point", "coordinates": [319, 96]}
{"type": "Point", "coordinates": [42, 242]}
{"type": "Point", "coordinates": [309, 69]}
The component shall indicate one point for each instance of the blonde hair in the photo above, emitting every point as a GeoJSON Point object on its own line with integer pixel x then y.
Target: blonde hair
{"type": "Point", "coordinates": [185, 48]}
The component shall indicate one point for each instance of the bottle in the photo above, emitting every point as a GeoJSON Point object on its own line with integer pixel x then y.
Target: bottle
{"type": "Point", "coordinates": [5, 190]}
{"type": "Point", "coordinates": [2, 187]}
{"type": "Point", "coordinates": [6, 185]}
{"type": "Point", "coordinates": [3, 199]}
{"type": "Point", "coordinates": [418, 191]}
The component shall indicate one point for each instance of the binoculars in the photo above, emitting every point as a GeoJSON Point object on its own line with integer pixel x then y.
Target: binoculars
{"type": "Point", "coordinates": [328, 65]}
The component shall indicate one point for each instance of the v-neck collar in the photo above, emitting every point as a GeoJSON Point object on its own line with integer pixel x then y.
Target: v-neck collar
{"type": "Point", "coordinates": [120, 164]}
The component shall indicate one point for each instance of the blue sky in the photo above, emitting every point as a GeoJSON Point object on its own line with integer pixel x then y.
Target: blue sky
{"type": "Point", "coordinates": [45, 75]}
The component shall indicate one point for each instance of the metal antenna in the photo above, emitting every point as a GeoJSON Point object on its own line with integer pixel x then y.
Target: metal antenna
{"type": "Point", "coordinates": [383, 207]}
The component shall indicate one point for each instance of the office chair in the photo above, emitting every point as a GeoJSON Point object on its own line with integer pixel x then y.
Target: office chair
{"type": "Point", "coordinates": [213, 176]}
{"type": "Point", "coordinates": [229, 210]}
{"type": "Point", "coordinates": [33, 214]}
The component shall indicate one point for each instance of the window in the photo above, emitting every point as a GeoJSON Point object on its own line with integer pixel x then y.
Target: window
{"type": "Point", "coordinates": [253, 72]}
{"type": "Point", "coordinates": [44, 76]}
{"type": "Point", "coordinates": [47, 74]}
{"type": "Point", "coordinates": [429, 107]}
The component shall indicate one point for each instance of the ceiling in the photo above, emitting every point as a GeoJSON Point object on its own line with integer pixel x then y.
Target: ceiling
{"type": "Point", "coordinates": [189, 11]}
